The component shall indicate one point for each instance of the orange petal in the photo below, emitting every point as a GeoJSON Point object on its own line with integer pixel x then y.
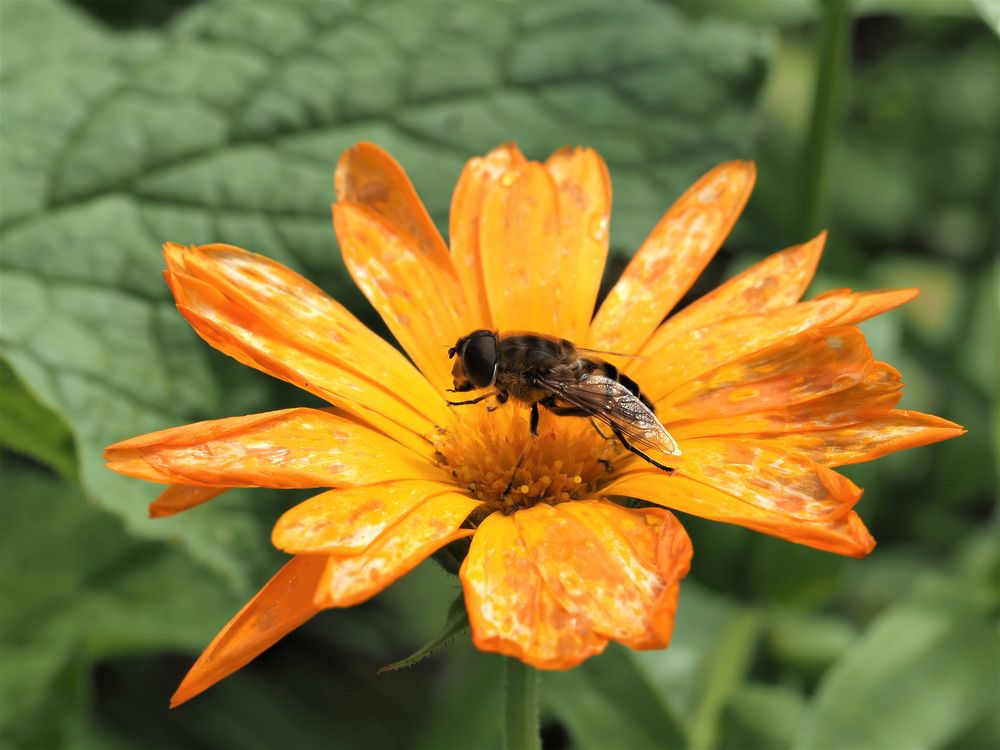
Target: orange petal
{"type": "Point", "coordinates": [671, 258]}
{"type": "Point", "coordinates": [281, 606]}
{"type": "Point", "coordinates": [767, 477]}
{"type": "Point", "coordinates": [865, 441]}
{"type": "Point", "coordinates": [180, 497]}
{"type": "Point", "coordinates": [415, 288]}
{"type": "Point", "coordinates": [466, 216]}
{"type": "Point", "coordinates": [846, 535]}
{"type": "Point", "coordinates": [346, 521]}
{"type": "Point", "coordinates": [778, 281]}
{"type": "Point", "coordinates": [266, 316]}
{"type": "Point", "coordinates": [350, 580]}
{"type": "Point", "coordinates": [519, 236]}
{"type": "Point", "coordinates": [584, 190]}
{"type": "Point", "coordinates": [869, 304]}
{"type": "Point", "coordinates": [511, 611]}
{"type": "Point", "coordinates": [812, 364]}
{"type": "Point", "coordinates": [369, 176]}
{"type": "Point", "coordinates": [287, 448]}
{"type": "Point", "coordinates": [871, 398]}
{"type": "Point", "coordinates": [617, 569]}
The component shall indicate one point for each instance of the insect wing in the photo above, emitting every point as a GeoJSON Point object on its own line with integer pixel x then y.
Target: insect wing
{"type": "Point", "coordinates": [614, 404]}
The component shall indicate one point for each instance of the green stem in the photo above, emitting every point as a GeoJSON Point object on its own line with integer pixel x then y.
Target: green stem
{"type": "Point", "coordinates": [832, 60]}
{"type": "Point", "coordinates": [520, 707]}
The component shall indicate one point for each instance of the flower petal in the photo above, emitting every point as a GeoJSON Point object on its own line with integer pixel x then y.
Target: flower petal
{"type": "Point", "coordinates": [228, 296]}
{"type": "Point", "coordinates": [350, 580]}
{"type": "Point", "coordinates": [865, 441]}
{"type": "Point", "coordinates": [369, 176]}
{"type": "Point", "coordinates": [763, 475]}
{"type": "Point", "coordinates": [466, 217]}
{"type": "Point", "coordinates": [180, 497]}
{"type": "Point", "coordinates": [697, 351]}
{"type": "Point", "coordinates": [617, 569]}
{"type": "Point", "coordinates": [281, 606]}
{"type": "Point", "coordinates": [519, 236]}
{"type": "Point", "coordinates": [584, 189]}
{"type": "Point", "coordinates": [511, 611]}
{"type": "Point", "coordinates": [346, 521]}
{"type": "Point", "coordinates": [287, 448]}
{"type": "Point", "coordinates": [778, 281]}
{"type": "Point", "coordinates": [846, 535]}
{"type": "Point", "coordinates": [871, 398]}
{"type": "Point", "coordinates": [671, 258]}
{"type": "Point", "coordinates": [804, 367]}
{"type": "Point", "coordinates": [415, 288]}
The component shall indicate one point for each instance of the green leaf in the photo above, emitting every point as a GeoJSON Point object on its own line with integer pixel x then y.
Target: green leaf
{"type": "Point", "coordinates": [77, 589]}
{"type": "Point", "coordinates": [226, 127]}
{"type": "Point", "coordinates": [763, 717]}
{"type": "Point", "coordinates": [924, 672]}
{"type": "Point", "coordinates": [29, 428]}
{"type": "Point", "coordinates": [608, 702]}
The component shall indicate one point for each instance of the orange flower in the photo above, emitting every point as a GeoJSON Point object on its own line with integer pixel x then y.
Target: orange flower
{"type": "Point", "coordinates": [764, 393]}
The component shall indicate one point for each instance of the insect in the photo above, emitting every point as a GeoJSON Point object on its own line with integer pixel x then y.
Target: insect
{"type": "Point", "coordinates": [540, 370]}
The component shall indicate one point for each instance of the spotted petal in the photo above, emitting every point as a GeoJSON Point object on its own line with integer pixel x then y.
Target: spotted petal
{"type": "Point", "coordinates": [397, 258]}
{"type": "Point", "coordinates": [577, 574]}
{"type": "Point", "coordinates": [287, 448]}
{"type": "Point", "coordinates": [671, 258]}
{"type": "Point", "coordinates": [845, 535]}
{"type": "Point", "coordinates": [268, 317]}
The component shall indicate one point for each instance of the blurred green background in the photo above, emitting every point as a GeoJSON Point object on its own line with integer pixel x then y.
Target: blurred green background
{"type": "Point", "coordinates": [125, 124]}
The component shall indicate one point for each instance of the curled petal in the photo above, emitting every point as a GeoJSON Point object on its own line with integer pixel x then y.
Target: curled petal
{"type": "Point", "coordinates": [812, 364]}
{"type": "Point", "coordinates": [346, 521]}
{"type": "Point", "coordinates": [180, 497]}
{"type": "Point", "coordinates": [845, 535]}
{"type": "Point", "coordinates": [584, 190]}
{"type": "Point", "coordinates": [873, 396]}
{"type": "Point", "coordinates": [285, 603]}
{"type": "Point", "coordinates": [415, 289]}
{"type": "Point", "coordinates": [767, 477]}
{"type": "Point", "coordinates": [519, 245]}
{"type": "Point", "coordinates": [430, 525]}
{"type": "Point", "coordinates": [778, 281]}
{"type": "Point", "coordinates": [865, 441]}
{"type": "Point", "coordinates": [551, 584]}
{"type": "Point", "coordinates": [466, 216]}
{"type": "Point", "coordinates": [267, 317]}
{"type": "Point", "coordinates": [671, 258]}
{"type": "Point", "coordinates": [287, 448]}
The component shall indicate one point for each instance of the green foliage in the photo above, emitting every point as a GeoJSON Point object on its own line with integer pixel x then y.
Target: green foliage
{"type": "Point", "coordinates": [222, 122]}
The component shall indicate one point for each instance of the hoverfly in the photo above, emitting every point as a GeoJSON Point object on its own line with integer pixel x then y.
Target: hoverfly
{"type": "Point", "coordinates": [539, 370]}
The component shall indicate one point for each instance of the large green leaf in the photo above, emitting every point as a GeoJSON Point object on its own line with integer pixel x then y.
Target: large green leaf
{"type": "Point", "coordinates": [924, 672]}
{"type": "Point", "coordinates": [77, 589]}
{"type": "Point", "coordinates": [226, 128]}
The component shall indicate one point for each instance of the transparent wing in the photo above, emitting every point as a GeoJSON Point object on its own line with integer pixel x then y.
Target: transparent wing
{"type": "Point", "coordinates": [615, 405]}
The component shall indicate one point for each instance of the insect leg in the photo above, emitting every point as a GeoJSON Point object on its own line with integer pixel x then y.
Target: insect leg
{"type": "Point", "coordinates": [502, 397]}
{"type": "Point", "coordinates": [475, 400]}
{"type": "Point", "coordinates": [628, 446]}
{"type": "Point", "coordinates": [533, 424]}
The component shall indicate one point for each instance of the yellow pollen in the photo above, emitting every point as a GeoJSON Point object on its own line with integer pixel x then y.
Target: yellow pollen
{"type": "Point", "coordinates": [483, 452]}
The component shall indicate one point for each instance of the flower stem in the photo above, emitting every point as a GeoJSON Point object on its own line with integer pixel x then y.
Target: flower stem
{"type": "Point", "coordinates": [832, 55]}
{"type": "Point", "coordinates": [520, 726]}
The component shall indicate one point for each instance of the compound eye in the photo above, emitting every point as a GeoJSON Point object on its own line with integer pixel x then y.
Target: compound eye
{"type": "Point", "coordinates": [480, 359]}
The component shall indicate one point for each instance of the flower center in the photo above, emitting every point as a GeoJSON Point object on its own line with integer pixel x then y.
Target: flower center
{"type": "Point", "coordinates": [492, 454]}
